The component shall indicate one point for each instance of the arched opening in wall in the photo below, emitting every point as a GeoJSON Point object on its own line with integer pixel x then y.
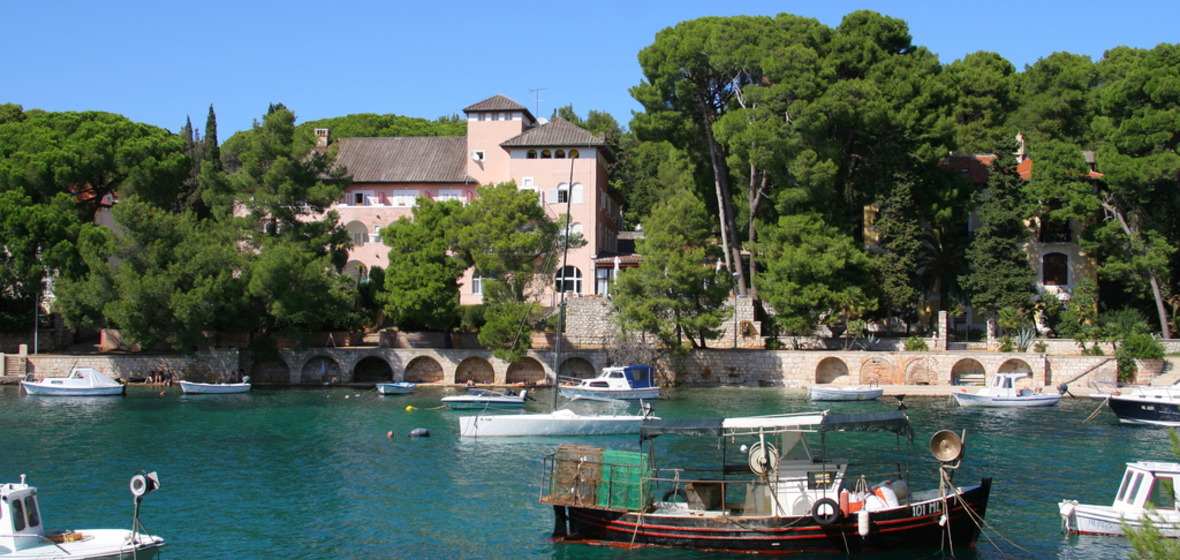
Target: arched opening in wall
{"type": "Point", "coordinates": [532, 154]}
{"type": "Point", "coordinates": [1055, 269]}
{"type": "Point", "coordinates": [357, 270]}
{"type": "Point", "coordinates": [527, 371]}
{"type": "Point", "coordinates": [831, 370]}
{"type": "Point", "coordinates": [265, 373]}
{"type": "Point", "coordinates": [546, 154]}
{"type": "Point", "coordinates": [878, 369]}
{"type": "Point", "coordinates": [968, 372]}
{"type": "Point", "coordinates": [1016, 365]}
{"type": "Point", "coordinates": [577, 367]}
{"type": "Point", "coordinates": [319, 370]}
{"type": "Point", "coordinates": [423, 370]}
{"type": "Point", "coordinates": [573, 154]}
{"type": "Point", "coordinates": [358, 232]}
{"type": "Point", "coordinates": [476, 370]}
{"type": "Point", "coordinates": [372, 369]}
{"type": "Point", "coordinates": [922, 372]}
{"type": "Point", "coordinates": [559, 154]}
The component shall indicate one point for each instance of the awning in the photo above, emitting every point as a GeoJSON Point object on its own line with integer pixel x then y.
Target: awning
{"type": "Point", "coordinates": [889, 421]}
{"type": "Point", "coordinates": [684, 427]}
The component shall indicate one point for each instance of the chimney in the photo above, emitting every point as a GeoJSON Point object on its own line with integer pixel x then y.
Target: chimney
{"type": "Point", "coordinates": [321, 138]}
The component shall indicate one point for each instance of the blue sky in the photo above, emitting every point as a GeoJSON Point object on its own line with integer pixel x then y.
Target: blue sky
{"type": "Point", "coordinates": [159, 62]}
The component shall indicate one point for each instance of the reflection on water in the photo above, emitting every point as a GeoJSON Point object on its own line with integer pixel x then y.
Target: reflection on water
{"type": "Point", "coordinates": [311, 473]}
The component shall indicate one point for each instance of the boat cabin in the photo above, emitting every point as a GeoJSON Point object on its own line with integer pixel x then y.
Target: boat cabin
{"type": "Point", "coordinates": [637, 377]}
{"type": "Point", "coordinates": [1148, 483]}
{"type": "Point", "coordinates": [1007, 382]}
{"type": "Point", "coordinates": [20, 517]}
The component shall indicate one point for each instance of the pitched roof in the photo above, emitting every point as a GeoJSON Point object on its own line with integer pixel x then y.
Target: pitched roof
{"type": "Point", "coordinates": [558, 132]}
{"type": "Point", "coordinates": [498, 103]}
{"type": "Point", "coordinates": [427, 159]}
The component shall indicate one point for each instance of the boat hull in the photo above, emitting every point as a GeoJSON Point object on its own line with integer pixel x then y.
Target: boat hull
{"type": "Point", "coordinates": [844, 393]}
{"type": "Point", "coordinates": [98, 544]}
{"type": "Point", "coordinates": [914, 526]}
{"type": "Point", "coordinates": [645, 394]}
{"type": "Point", "coordinates": [395, 388]}
{"type": "Point", "coordinates": [483, 405]}
{"type": "Point", "coordinates": [516, 425]}
{"type": "Point", "coordinates": [1145, 410]}
{"type": "Point", "coordinates": [62, 391]}
{"type": "Point", "coordinates": [1105, 520]}
{"type": "Point", "coordinates": [192, 388]}
{"type": "Point", "coordinates": [970, 399]}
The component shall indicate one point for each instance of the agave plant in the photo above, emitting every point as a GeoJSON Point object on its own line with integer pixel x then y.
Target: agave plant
{"type": "Point", "coordinates": [1025, 337]}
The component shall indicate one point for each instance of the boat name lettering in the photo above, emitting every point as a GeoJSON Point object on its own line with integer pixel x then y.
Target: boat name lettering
{"type": "Point", "coordinates": [929, 508]}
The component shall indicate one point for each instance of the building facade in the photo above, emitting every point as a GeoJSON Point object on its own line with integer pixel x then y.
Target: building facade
{"type": "Point", "coordinates": [563, 164]}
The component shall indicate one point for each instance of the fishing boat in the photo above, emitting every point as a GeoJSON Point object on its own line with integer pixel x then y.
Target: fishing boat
{"type": "Point", "coordinates": [82, 382]}
{"type": "Point", "coordinates": [845, 392]}
{"type": "Point", "coordinates": [1144, 484]}
{"type": "Point", "coordinates": [23, 535]}
{"type": "Point", "coordinates": [615, 383]}
{"type": "Point", "coordinates": [560, 422]}
{"type": "Point", "coordinates": [194, 388]}
{"type": "Point", "coordinates": [780, 498]}
{"type": "Point", "coordinates": [477, 399]}
{"type": "Point", "coordinates": [399, 388]}
{"type": "Point", "coordinates": [1003, 392]}
{"type": "Point", "coordinates": [1156, 406]}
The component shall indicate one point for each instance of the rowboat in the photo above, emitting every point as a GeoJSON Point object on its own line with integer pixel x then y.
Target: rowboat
{"type": "Point", "coordinates": [399, 388]}
{"type": "Point", "coordinates": [82, 382]}
{"type": "Point", "coordinates": [194, 388]}
{"type": "Point", "coordinates": [845, 392]}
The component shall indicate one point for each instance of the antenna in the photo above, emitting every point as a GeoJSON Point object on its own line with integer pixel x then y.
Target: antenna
{"type": "Point", "coordinates": [537, 100]}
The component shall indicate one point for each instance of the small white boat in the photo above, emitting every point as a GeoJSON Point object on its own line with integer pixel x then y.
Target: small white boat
{"type": "Point", "coordinates": [1144, 483]}
{"type": "Point", "coordinates": [477, 399]}
{"type": "Point", "coordinates": [194, 388]}
{"type": "Point", "coordinates": [845, 393]}
{"type": "Point", "coordinates": [23, 535]}
{"type": "Point", "coordinates": [629, 383]}
{"type": "Point", "coordinates": [82, 382]}
{"type": "Point", "coordinates": [399, 388]}
{"type": "Point", "coordinates": [1003, 393]}
{"type": "Point", "coordinates": [560, 422]}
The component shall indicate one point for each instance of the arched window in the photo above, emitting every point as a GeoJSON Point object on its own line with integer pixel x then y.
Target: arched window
{"type": "Point", "coordinates": [560, 154]}
{"type": "Point", "coordinates": [573, 154]}
{"type": "Point", "coordinates": [1055, 269]}
{"type": "Point", "coordinates": [532, 154]}
{"type": "Point", "coordinates": [545, 154]}
{"type": "Point", "coordinates": [569, 280]}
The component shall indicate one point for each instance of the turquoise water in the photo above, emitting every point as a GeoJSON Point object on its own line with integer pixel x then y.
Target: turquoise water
{"type": "Point", "coordinates": [304, 473]}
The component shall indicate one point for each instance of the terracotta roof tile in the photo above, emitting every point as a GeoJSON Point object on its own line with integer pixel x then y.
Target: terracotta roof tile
{"type": "Point", "coordinates": [405, 160]}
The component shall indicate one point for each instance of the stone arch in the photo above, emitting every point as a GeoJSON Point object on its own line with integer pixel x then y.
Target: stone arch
{"type": "Point", "coordinates": [1016, 365]}
{"type": "Point", "coordinates": [528, 370]}
{"type": "Point", "coordinates": [276, 372]}
{"type": "Point", "coordinates": [577, 366]}
{"type": "Point", "coordinates": [879, 368]}
{"type": "Point", "coordinates": [423, 369]}
{"type": "Point", "coordinates": [968, 371]}
{"type": "Point", "coordinates": [320, 369]}
{"type": "Point", "coordinates": [476, 370]}
{"type": "Point", "coordinates": [922, 371]}
{"type": "Point", "coordinates": [372, 369]}
{"type": "Point", "coordinates": [830, 370]}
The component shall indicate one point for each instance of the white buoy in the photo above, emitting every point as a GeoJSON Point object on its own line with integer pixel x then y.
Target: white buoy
{"type": "Point", "coordinates": [862, 522]}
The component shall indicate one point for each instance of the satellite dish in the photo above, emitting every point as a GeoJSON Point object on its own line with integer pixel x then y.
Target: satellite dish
{"type": "Point", "coordinates": [763, 459]}
{"type": "Point", "coordinates": [946, 446]}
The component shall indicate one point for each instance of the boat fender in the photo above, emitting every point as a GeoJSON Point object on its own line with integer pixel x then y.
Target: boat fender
{"type": "Point", "coordinates": [901, 490]}
{"type": "Point", "coordinates": [678, 491]}
{"type": "Point", "coordinates": [844, 503]}
{"type": "Point", "coordinates": [862, 523]}
{"type": "Point", "coordinates": [874, 503]}
{"type": "Point", "coordinates": [825, 512]}
{"type": "Point", "coordinates": [419, 432]}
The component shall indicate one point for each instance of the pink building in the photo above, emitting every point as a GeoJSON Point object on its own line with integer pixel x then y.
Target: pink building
{"type": "Point", "coordinates": [563, 164]}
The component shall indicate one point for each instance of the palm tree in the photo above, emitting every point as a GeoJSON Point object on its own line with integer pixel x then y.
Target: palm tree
{"type": "Point", "coordinates": [941, 261]}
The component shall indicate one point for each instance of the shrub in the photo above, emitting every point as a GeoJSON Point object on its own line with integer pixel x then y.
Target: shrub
{"type": "Point", "coordinates": [471, 318]}
{"type": "Point", "coordinates": [1137, 345]}
{"type": "Point", "coordinates": [1040, 347]}
{"type": "Point", "coordinates": [916, 344]}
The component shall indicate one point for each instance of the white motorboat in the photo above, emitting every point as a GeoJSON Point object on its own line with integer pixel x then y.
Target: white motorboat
{"type": "Point", "coordinates": [1003, 392]}
{"type": "Point", "coordinates": [1155, 406]}
{"type": "Point", "coordinates": [82, 382]}
{"type": "Point", "coordinates": [560, 422]}
{"type": "Point", "coordinates": [194, 388]}
{"type": "Point", "coordinates": [1144, 483]}
{"type": "Point", "coordinates": [630, 383]}
{"type": "Point", "coordinates": [845, 392]}
{"type": "Point", "coordinates": [23, 535]}
{"type": "Point", "coordinates": [399, 388]}
{"type": "Point", "coordinates": [478, 399]}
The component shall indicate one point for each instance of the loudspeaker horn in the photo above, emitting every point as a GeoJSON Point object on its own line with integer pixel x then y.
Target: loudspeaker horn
{"type": "Point", "coordinates": [946, 446]}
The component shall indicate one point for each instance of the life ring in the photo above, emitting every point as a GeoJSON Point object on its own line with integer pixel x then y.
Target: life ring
{"type": "Point", "coordinates": [829, 506]}
{"type": "Point", "coordinates": [678, 491]}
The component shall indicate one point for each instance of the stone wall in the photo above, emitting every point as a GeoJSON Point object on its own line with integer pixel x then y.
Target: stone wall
{"type": "Point", "coordinates": [211, 366]}
{"type": "Point", "coordinates": [589, 324]}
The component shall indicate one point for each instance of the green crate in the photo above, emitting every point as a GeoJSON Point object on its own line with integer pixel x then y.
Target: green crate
{"type": "Point", "coordinates": [625, 482]}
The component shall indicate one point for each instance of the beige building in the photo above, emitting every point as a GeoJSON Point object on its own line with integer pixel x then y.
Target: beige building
{"type": "Point", "coordinates": [562, 163]}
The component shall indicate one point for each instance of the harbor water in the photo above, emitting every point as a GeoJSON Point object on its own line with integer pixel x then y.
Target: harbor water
{"type": "Point", "coordinates": [314, 473]}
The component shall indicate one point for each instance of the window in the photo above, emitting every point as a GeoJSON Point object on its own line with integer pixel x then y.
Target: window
{"type": "Point", "coordinates": [545, 154]}
{"type": "Point", "coordinates": [358, 238]}
{"type": "Point", "coordinates": [476, 283]}
{"type": "Point", "coordinates": [532, 154]}
{"type": "Point", "coordinates": [31, 508]}
{"type": "Point", "coordinates": [560, 154]}
{"type": "Point", "coordinates": [573, 154]}
{"type": "Point", "coordinates": [1055, 269]}
{"type": "Point", "coordinates": [404, 198]}
{"type": "Point", "coordinates": [569, 280]}
{"type": "Point", "coordinates": [452, 194]}
{"type": "Point", "coordinates": [358, 199]}
{"type": "Point", "coordinates": [604, 277]}
{"type": "Point", "coordinates": [18, 516]}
